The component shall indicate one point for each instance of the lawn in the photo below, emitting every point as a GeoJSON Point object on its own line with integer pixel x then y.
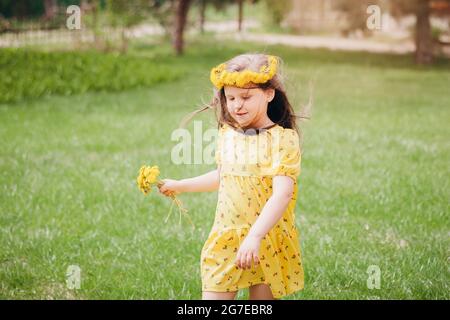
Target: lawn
{"type": "Point", "coordinates": [374, 188]}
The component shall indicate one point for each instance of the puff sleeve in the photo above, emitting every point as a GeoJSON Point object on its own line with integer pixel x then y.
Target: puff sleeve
{"type": "Point", "coordinates": [286, 161]}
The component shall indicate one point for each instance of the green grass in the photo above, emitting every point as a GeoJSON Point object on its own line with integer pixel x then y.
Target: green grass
{"type": "Point", "coordinates": [33, 74]}
{"type": "Point", "coordinates": [374, 188]}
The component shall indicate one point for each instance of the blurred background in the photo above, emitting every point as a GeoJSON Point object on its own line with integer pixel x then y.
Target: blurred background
{"type": "Point", "coordinates": [90, 90]}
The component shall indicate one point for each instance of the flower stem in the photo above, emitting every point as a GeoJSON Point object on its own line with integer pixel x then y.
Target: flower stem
{"type": "Point", "coordinates": [179, 204]}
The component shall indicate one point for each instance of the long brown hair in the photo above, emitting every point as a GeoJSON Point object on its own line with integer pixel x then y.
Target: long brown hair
{"type": "Point", "coordinates": [279, 110]}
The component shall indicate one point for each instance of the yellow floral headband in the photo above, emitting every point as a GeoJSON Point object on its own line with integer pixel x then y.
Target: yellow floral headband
{"type": "Point", "coordinates": [221, 77]}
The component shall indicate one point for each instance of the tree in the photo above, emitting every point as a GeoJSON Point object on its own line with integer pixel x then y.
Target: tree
{"type": "Point", "coordinates": [202, 7]}
{"type": "Point", "coordinates": [240, 4]}
{"type": "Point", "coordinates": [422, 33]}
{"type": "Point", "coordinates": [162, 12]}
{"type": "Point", "coordinates": [172, 17]}
{"type": "Point", "coordinates": [21, 9]}
{"type": "Point", "coordinates": [241, 11]}
{"type": "Point", "coordinates": [278, 9]}
{"type": "Point", "coordinates": [221, 5]}
{"type": "Point", "coordinates": [423, 40]}
{"type": "Point", "coordinates": [181, 11]}
{"type": "Point", "coordinates": [422, 9]}
{"type": "Point", "coordinates": [125, 14]}
{"type": "Point", "coordinates": [51, 9]}
{"type": "Point", "coordinates": [203, 4]}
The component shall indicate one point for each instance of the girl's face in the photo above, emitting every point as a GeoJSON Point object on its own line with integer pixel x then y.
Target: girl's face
{"type": "Point", "coordinates": [248, 106]}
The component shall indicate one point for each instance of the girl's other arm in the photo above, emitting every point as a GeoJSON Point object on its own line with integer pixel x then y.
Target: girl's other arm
{"type": "Point", "coordinates": [276, 205]}
{"type": "Point", "coordinates": [283, 189]}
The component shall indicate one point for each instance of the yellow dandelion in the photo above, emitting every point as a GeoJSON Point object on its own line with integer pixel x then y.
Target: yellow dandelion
{"type": "Point", "coordinates": [147, 178]}
{"type": "Point", "coordinates": [220, 77]}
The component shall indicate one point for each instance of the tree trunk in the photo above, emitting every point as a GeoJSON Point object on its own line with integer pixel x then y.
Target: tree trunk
{"type": "Point", "coordinates": [181, 11]}
{"type": "Point", "coordinates": [95, 25]}
{"type": "Point", "coordinates": [124, 47]}
{"type": "Point", "coordinates": [50, 8]}
{"type": "Point", "coordinates": [202, 15]}
{"type": "Point", "coordinates": [240, 14]}
{"type": "Point", "coordinates": [424, 44]}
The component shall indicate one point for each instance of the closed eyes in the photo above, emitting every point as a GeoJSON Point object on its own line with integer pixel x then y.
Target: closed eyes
{"type": "Point", "coordinates": [243, 98]}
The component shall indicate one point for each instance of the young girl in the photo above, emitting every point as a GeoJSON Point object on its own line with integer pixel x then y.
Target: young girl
{"type": "Point", "coordinates": [254, 242]}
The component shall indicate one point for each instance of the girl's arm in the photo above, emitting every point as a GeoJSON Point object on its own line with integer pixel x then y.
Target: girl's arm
{"type": "Point", "coordinates": [283, 190]}
{"type": "Point", "coordinates": [204, 183]}
{"type": "Point", "coordinates": [276, 205]}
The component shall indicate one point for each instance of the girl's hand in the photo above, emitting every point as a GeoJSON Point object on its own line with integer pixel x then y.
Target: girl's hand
{"type": "Point", "coordinates": [248, 252]}
{"type": "Point", "coordinates": [170, 187]}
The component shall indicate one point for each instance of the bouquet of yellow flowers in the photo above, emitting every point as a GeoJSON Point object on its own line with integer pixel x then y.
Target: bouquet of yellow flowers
{"type": "Point", "coordinates": [147, 178]}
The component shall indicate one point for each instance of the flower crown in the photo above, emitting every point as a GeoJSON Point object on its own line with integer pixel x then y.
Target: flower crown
{"type": "Point", "coordinates": [220, 77]}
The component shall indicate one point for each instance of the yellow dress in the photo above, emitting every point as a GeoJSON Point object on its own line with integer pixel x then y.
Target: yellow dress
{"type": "Point", "coordinates": [247, 162]}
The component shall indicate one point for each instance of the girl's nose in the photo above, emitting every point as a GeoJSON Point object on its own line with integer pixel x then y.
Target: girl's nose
{"type": "Point", "coordinates": [239, 105]}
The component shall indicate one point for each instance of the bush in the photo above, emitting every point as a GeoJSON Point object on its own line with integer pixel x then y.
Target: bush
{"type": "Point", "coordinates": [32, 74]}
